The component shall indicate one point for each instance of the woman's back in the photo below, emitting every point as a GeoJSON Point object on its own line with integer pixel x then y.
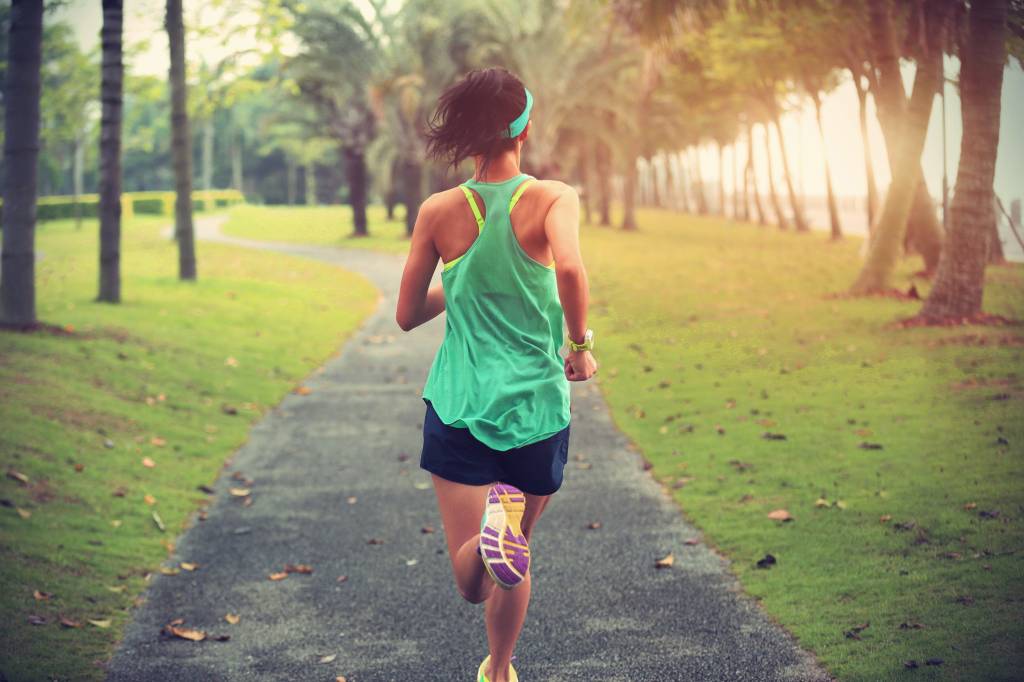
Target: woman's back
{"type": "Point", "coordinates": [498, 371]}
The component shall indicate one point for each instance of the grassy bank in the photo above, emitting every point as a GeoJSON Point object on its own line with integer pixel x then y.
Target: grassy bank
{"type": "Point", "coordinates": [127, 409]}
{"type": "Point", "coordinates": [326, 225]}
{"type": "Point", "coordinates": [717, 340]}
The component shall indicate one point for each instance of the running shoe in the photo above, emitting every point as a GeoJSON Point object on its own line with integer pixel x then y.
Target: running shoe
{"type": "Point", "coordinates": [481, 677]}
{"type": "Point", "coordinates": [503, 546]}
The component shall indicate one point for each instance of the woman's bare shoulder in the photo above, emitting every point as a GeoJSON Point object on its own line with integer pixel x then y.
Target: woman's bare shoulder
{"type": "Point", "coordinates": [555, 188]}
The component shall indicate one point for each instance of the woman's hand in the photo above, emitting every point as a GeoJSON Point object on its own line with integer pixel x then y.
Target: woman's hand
{"type": "Point", "coordinates": [580, 365]}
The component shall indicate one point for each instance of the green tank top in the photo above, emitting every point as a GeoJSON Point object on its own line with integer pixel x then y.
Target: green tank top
{"type": "Point", "coordinates": [498, 371]}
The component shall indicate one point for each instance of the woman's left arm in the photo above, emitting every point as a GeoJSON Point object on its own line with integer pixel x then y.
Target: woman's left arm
{"type": "Point", "coordinates": [418, 302]}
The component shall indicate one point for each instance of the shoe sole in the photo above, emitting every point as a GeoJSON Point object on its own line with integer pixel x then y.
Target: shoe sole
{"type": "Point", "coordinates": [503, 546]}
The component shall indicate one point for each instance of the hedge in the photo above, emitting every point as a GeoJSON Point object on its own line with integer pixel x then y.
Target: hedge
{"type": "Point", "coordinates": [149, 203]}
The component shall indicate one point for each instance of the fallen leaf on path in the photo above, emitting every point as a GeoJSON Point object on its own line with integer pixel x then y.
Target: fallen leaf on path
{"type": "Point", "coordinates": [68, 623]}
{"type": "Point", "coordinates": [691, 541]}
{"type": "Point", "coordinates": [189, 566]}
{"type": "Point", "coordinates": [352, 500]}
{"type": "Point", "coordinates": [170, 570]}
{"type": "Point", "coordinates": [421, 485]}
{"type": "Point", "coordinates": [247, 502]}
{"type": "Point", "coordinates": [232, 618]}
{"type": "Point", "coordinates": [240, 492]}
{"type": "Point", "coordinates": [426, 530]}
{"type": "Point", "coordinates": [342, 578]}
{"type": "Point", "coordinates": [340, 678]}
{"type": "Point", "coordinates": [303, 390]}
{"type": "Point", "coordinates": [17, 476]}
{"type": "Point", "coordinates": [780, 515]}
{"type": "Point", "coordinates": [375, 541]}
{"type": "Point", "coordinates": [298, 568]}
{"type": "Point", "coordinates": [328, 658]}
{"type": "Point", "coordinates": [594, 525]}
{"type": "Point", "coordinates": [100, 623]}
{"type": "Point", "coordinates": [278, 576]}
{"type": "Point", "coordinates": [185, 633]}
{"type": "Point", "coordinates": [222, 638]}
{"type": "Point", "coordinates": [148, 463]}
{"type": "Point", "coordinates": [665, 562]}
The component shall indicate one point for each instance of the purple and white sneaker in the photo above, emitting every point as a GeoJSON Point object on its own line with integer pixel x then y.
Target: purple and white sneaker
{"type": "Point", "coordinates": [503, 546]}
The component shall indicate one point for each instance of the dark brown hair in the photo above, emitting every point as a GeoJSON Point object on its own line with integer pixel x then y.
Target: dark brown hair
{"type": "Point", "coordinates": [473, 114]}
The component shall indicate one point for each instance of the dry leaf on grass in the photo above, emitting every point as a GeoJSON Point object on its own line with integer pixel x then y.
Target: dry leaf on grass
{"type": "Point", "coordinates": [148, 499]}
{"type": "Point", "coordinates": [148, 463]}
{"type": "Point", "coordinates": [68, 623]}
{"type": "Point", "coordinates": [100, 623]}
{"type": "Point", "coordinates": [17, 476]}
{"type": "Point", "coordinates": [41, 596]}
{"type": "Point", "coordinates": [303, 390]}
{"type": "Point", "coordinates": [158, 521]}
{"type": "Point", "coordinates": [780, 515]}
{"type": "Point", "coordinates": [23, 513]}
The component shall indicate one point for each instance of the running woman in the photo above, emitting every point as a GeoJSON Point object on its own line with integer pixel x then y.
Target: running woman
{"type": "Point", "coordinates": [496, 430]}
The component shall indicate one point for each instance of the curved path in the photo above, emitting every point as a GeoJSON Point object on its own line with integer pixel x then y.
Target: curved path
{"type": "Point", "coordinates": [600, 611]}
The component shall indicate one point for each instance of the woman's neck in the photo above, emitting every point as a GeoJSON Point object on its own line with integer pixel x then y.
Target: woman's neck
{"type": "Point", "coordinates": [501, 167]}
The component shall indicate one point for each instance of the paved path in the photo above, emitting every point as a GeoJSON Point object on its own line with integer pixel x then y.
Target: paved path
{"type": "Point", "coordinates": [600, 610]}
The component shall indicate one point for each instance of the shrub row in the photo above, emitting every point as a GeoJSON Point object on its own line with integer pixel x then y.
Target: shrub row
{"type": "Point", "coordinates": [149, 203]}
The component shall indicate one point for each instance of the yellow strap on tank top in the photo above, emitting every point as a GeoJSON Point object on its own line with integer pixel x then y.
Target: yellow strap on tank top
{"type": "Point", "coordinates": [472, 204]}
{"type": "Point", "coordinates": [519, 193]}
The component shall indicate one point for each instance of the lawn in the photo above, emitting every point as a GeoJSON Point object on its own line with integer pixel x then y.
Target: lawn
{"type": "Point", "coordinates": [897, 452]}
{"type": "Point", "coordinates": [114, 417]}
{"type": "Point", "coordinates": [325, 225]}
{"type": "Point", "coordinates": [750, 387]}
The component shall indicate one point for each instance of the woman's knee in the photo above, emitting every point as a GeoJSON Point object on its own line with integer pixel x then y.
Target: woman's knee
{"type": "Point", "coordinates": [475, 594]}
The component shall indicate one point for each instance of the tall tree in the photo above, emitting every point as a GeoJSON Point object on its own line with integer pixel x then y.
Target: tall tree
{"type": "Point", "coordinates": [181, 143]}
{"type": "Point", "coordinates": [907, 142]}
{"type": "Point", "coordinates": [959, 284]}
{"type": "Point", "coordinates": [111, 95]}
{"type": "Point", "coordinates": [21, 153]}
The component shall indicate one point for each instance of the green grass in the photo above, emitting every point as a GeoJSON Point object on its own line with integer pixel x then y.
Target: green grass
{"type": "Point", "coordinates": [326, 225]}
{"type": "Point", "coordinates": [153, 376]}
{"type": "Point", "coordinates": [705, 325]}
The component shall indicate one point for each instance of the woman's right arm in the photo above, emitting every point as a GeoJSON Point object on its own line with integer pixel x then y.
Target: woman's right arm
{"type": "Point", "coordinates": [561, 227]}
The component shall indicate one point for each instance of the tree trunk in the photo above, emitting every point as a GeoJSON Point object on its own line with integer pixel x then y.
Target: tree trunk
{"type": "Point", "coordinates": [629, 195]}
{"type": "Point", "coordinates": [780, 216]}
{"type": "Point", "coordinates": [208, 132]}
{"type": "Point", "coordinates": [112, 97]}
{"type": "Point", "coordinates": [656, 198]}
{"type": "Point", "coordinates": [412, 192]}
{"type": "Point", "coordinates": [291, 180]}
{"type": "Point", "coordinates": [887, 240]}
{"type": "Point", "coordinates": [77, 177]}
{"type": "Point", "coordinates": [671, 188]}
{"type": "Point", "coordinates": [684, 190]}
{"type": "Point", "coordinates": [735, 185]}
{"type": "Point", "coordinates": [604, 181]}
{"type": "Point", "coordinates": [181, 144]}
{"type": "Point", "coordinates": [833, 210]}
{"type": "Point", "coordinates": [721, 181]}
{"type": "Point", "coordinates": [309, 177]}
{"type": "Point", "coordinates": [960, 282]}
{"type": "Point", "coordinates": [752, 174]}
{"type": "Point", "coordinates": [583, 170]}
{"type": "Point", "coordinates": [869, 166]}
{"type": "Point", "coordinates": [799, 222]}
{"type": "Point", "coordinates": [355, 172]}
{"type": "Point", "coordinates": [21, 154]}
{"type": "Point", "coordinates": [236, 163]}
{"type": "Point", "coordinates": [698, 184]}
{"type": "Point", "coordinates": [923, 231]}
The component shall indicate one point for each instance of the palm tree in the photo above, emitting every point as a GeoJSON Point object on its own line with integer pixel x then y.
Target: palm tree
{"type": "Point", "coordinates": [21, 152]}
{"type": "Point", "coordinates": [111, 95]}
{"type": "Point", "coordinates": [181, 143]}
{"type": "Point", "coordinates": [960, 282]}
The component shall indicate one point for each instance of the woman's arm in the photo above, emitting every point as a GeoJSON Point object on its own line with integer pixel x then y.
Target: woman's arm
{"type": "Point", "coordinates": [418, 302]}
{"type": "Point", "coordinates": [562, 227]}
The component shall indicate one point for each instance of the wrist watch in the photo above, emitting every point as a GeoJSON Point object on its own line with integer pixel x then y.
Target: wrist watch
{"type": "Point", "coordinates": [588, 342]}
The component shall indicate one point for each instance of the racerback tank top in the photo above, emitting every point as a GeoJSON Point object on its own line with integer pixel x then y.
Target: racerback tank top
{"type": "Point", "coordinates": [498, 371]}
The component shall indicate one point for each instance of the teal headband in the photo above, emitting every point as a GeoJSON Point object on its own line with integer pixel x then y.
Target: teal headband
{"type": "Point", "coordinates": [517, 126]}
